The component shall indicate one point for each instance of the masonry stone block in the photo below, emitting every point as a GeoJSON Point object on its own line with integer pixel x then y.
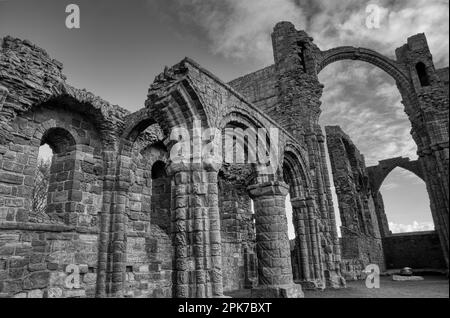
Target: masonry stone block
{"type": "Point", "coordinates": [192, 224]}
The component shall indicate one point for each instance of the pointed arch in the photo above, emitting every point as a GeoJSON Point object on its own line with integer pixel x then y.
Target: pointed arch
{"type": "Point", "coordinates": [295, 172]}
{"type": "Point", "coordinates": [379, 173]}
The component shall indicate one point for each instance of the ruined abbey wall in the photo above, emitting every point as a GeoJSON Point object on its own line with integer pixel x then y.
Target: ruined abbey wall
{"type": "Point", "coordinates": [124, 219]}
{"type": "Point", "coordinates": [260, 88]}
{"type": "Point", "coordinates": [361, 239]}
{"type": "Point", "coordinates": [366, 238]}
{"type": "Point", "coordinates": [421, 251]}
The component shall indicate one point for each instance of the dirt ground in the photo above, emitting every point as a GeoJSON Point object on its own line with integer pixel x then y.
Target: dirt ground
{"type": "Point", "coordinates": [431, 287]}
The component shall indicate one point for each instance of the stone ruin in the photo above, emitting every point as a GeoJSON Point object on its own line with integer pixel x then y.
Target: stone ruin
{"type": "Point", "coordinates": [123, 220]}
{"type": "Point", "coordinates": [366, 238]}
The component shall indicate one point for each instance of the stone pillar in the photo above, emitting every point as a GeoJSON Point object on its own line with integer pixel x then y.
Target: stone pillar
{"type": "Point", "coordinates": [300, 216]}
{"type": "Point", "coordinates": [331, 212]}
{"type": "Point", "coordinates": [272, 242]}
{"type": "Point", "coordinates": [314, 238]}
{"type": "Point", "coordinates": [120, 202]}
{"type": "Point", "coordinates": [439, 206]}
{"type": "Point", "coordinates": [103, 273]}
{"type": "Point", "coordinates": [196, 231]}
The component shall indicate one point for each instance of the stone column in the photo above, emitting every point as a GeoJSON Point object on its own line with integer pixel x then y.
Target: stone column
{"type": "Point", "coordinates": [117, 255]}
{"type": "Point", "coordinates": [196, 231]}
{"type": "Point", "coordinates": [110, 166]}
{"type": "Point", "coordinates": [331, 212]}
{"type": "Point", "coordinates": [308, 236]}
{"type": "Point", "coordinates": [314, 237]}
{"type": "Point", "coordinates": [300, 216]}
{"type": "Point", "coordinates": [272, 242]}
{"type": "Point", "coordinates": [439, 206]}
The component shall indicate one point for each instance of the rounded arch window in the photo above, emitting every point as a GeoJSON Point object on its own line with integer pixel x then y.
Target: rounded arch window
{"type": "Point", "coordinates": [51, 188]}
{"type": "Point", "coordinates": [58, 139]}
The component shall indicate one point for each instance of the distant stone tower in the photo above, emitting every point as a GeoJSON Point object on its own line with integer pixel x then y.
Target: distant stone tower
{"type": "Point", "coordinates": [424, 90]}
{"type": "Point", "coordinates": [428, 112]}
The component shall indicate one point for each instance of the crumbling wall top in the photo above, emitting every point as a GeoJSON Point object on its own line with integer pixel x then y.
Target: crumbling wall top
{"type": "Point", "coordinates": [30, 77]}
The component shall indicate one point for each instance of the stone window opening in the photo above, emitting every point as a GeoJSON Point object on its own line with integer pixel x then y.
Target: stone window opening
{"type": "Point", "coordinates": [242, 149]}
{"type": "Point", "coordinates": [252, 209]}
{"type": "Point", "coordinates": [41, 181]}
{"type": "Point", "coordinates": [160, 196]}
{"type": "Point", "coordinates": [423, 74]}
{"type": "Point", "coordinates": [397, 200]}
{"type": "Point", "coordinates": [290, 217]}
{"type": "Point", "coordinates": [295, 191]}
{"type": "Point", "coordinates": [59, 194]}
{"type": "Point", "coordinates": [301, 54]}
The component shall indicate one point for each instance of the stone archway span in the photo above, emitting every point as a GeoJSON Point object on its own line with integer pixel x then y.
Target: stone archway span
{"type": "Point", "coordinates": [379, 173]}
{"type": "Point", "coordinates": [395, 69]}
{"type": "Point", "coordinates": [391, 67]}
{"type": "Point", "coordinates": [136, 123]}
{"type": "Point", "coordinates": [174, 100]}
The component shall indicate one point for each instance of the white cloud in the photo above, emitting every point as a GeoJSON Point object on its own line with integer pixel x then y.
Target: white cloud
{"type": "Point", "coordinates": [343, 23]}
{"type": "Point", "coordinates": [408, 228]}
{"type": "Point", "coordinates": [241, 29]}
{"type": "Point", "coordinates": [359, 97]}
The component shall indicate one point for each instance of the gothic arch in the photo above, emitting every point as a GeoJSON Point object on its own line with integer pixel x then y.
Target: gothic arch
{"type": "Point", "coordinates": [294, 172]}
{"type": "Point", "coordinates": [379, 173]}
{"type": "Point", "coordinates": [177, 105]}
{"type": "Point", "coordinates": [136, 123]}
{"type": "Point", "coordinates": [242, 117]}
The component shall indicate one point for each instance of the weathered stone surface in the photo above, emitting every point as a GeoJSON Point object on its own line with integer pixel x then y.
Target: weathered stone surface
{"type": "Point", "coordinates": [129, 221]}
{"type": "Point", "coordinates": [420, 250]}
{"type": "Point", "coordinates": [365, 230]}
{"type": "Point", "coordinates": [361, 238]}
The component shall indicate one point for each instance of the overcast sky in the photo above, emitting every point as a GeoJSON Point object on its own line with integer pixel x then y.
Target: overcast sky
{"type": "Point", "coordinates": [122, 45]}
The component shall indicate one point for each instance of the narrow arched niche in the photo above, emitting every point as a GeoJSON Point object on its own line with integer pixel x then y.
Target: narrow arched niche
{"type": "Point", "coordinates": [39, 193]}
{"type": "Point", "coordinates": [54, 178]}
{"type": "Point", "coordinates": [421, 70]}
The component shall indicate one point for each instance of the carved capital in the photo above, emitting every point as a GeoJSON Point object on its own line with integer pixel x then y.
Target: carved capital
{"type": "Point", "coordinates": [174, 167]}
{"type": "Point", "coordinates": [180, 166]}
{"type": "Point", "coordinates": [268, 189]}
